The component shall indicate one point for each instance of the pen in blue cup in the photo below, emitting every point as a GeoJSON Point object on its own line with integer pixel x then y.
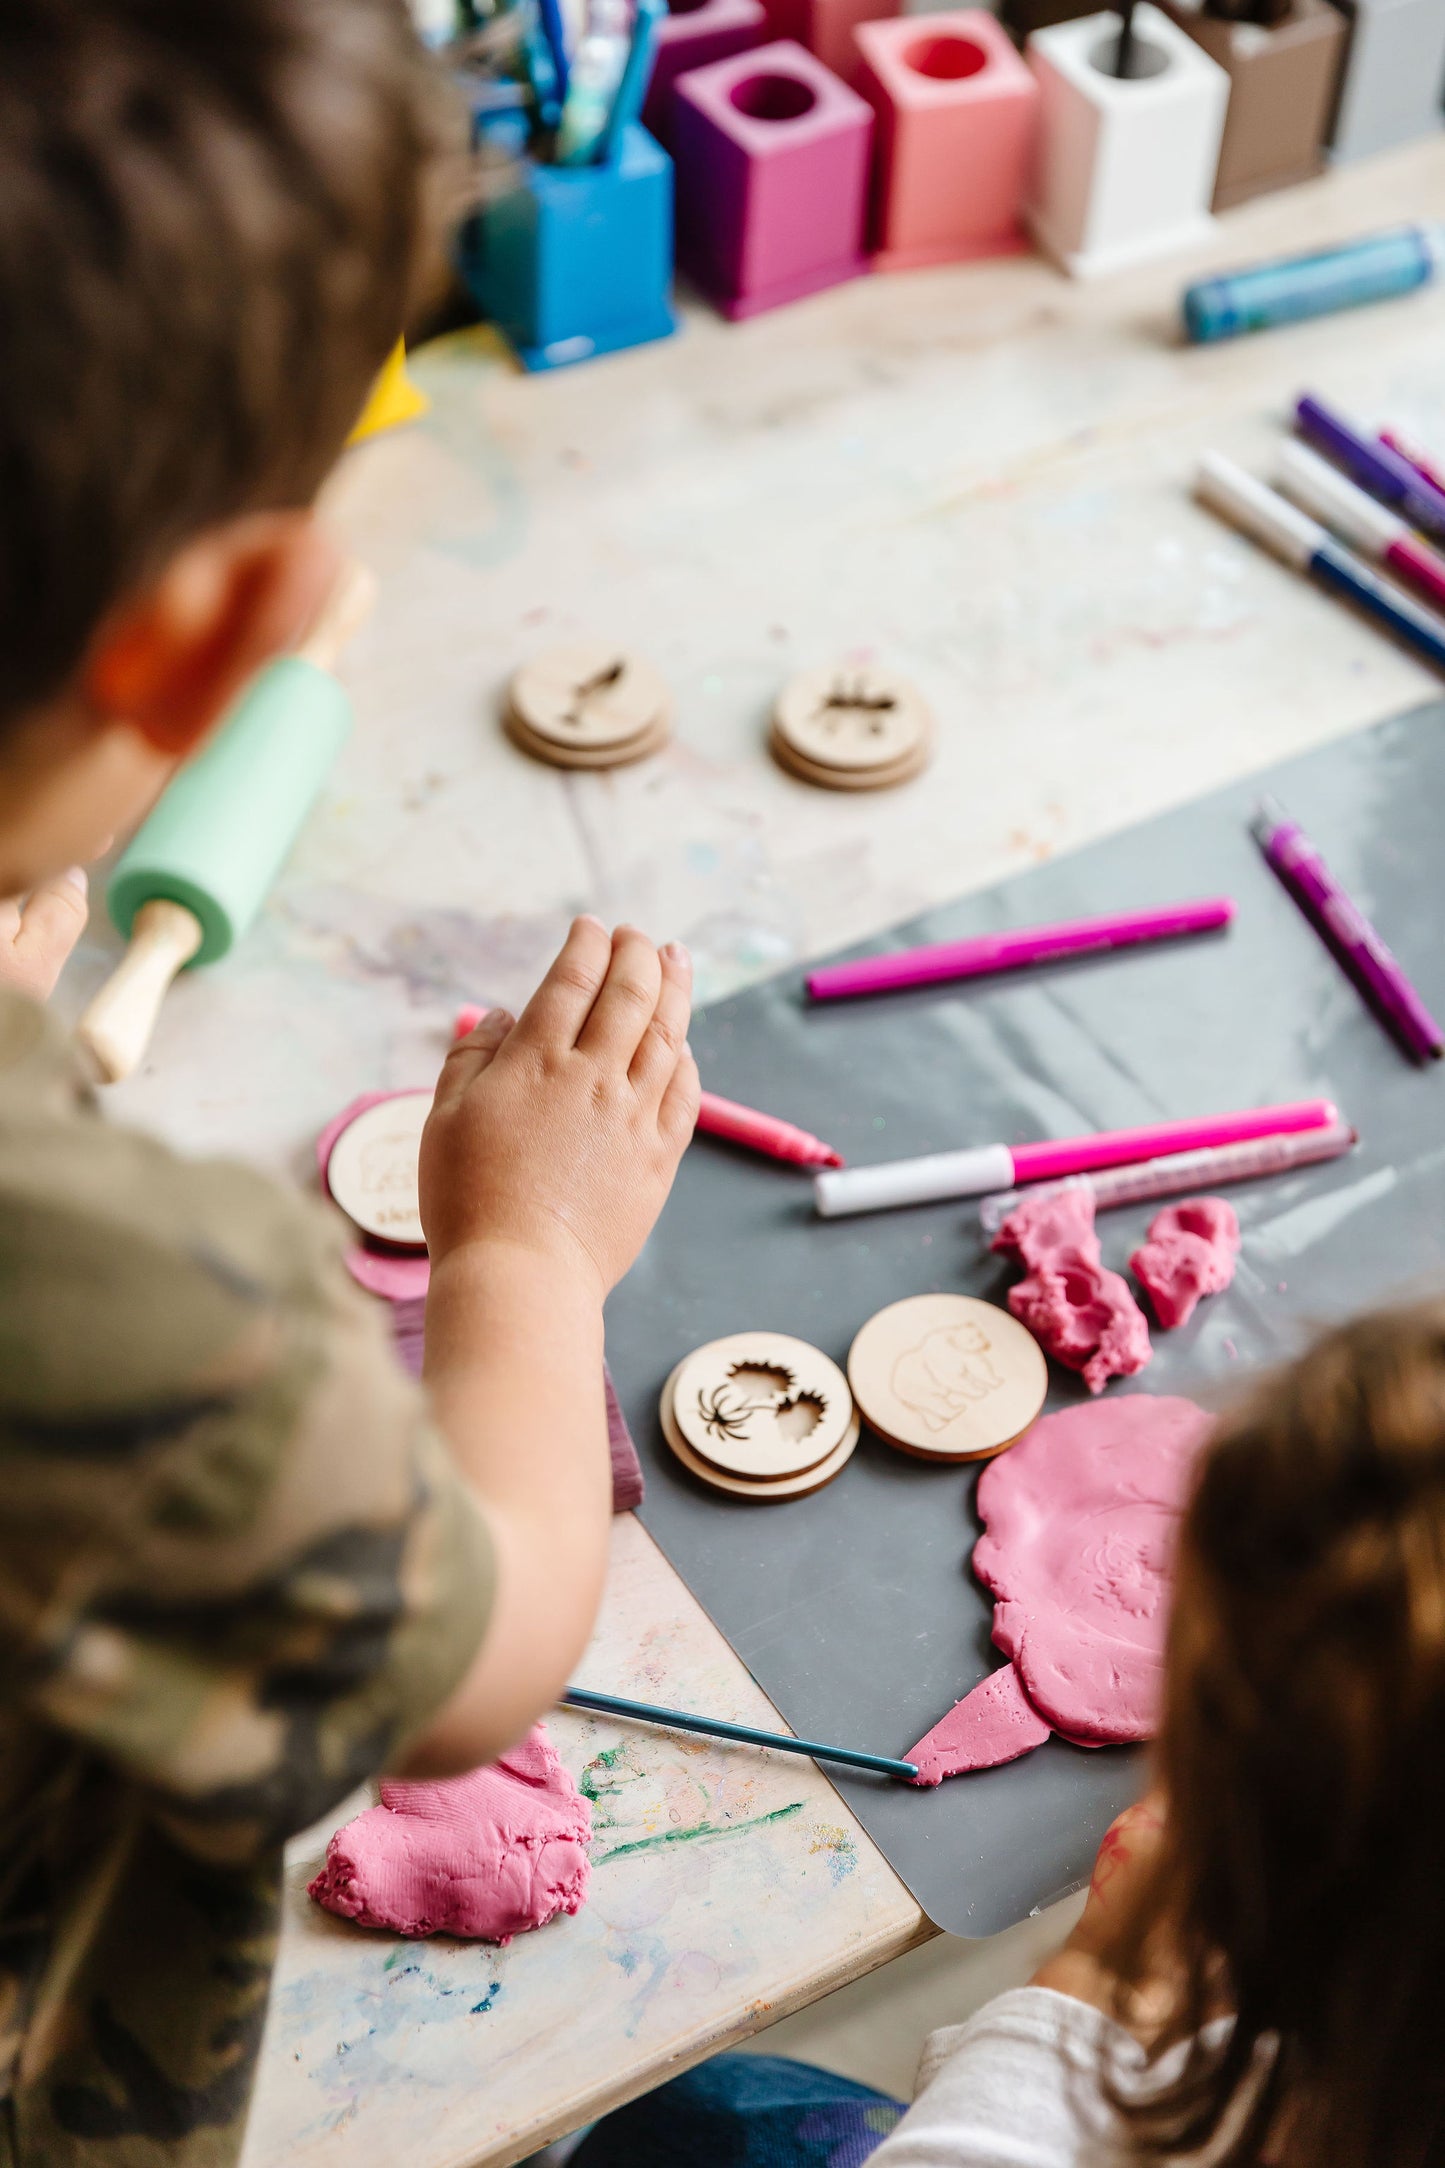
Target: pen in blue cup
{"type": "Point", "coordinates": [632, 90]}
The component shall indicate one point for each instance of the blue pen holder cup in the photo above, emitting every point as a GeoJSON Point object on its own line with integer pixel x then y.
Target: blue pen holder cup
{"type": "Point", "coordinates": [577, 260]}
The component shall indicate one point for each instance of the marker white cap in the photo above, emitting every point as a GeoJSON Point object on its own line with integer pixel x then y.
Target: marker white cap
{"type": "Point", "coordinates": [1259, 511]}
{"type": "Point", "coordinates": [1322, 490]}
{"type": "Point", "coordinates": [842, 1190]}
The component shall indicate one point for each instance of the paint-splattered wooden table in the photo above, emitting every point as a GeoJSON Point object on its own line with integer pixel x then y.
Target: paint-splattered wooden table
{"type": "Point", "coordinates": [979, 475]}
{"type": "Point", "coordinates": [728, 1887]}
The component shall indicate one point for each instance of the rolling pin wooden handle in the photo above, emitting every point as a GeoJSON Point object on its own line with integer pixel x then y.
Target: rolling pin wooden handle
{"type": "Point", "coordinates": [116, 1029]}
{"type": "Point", "coordinates": [342, 614]}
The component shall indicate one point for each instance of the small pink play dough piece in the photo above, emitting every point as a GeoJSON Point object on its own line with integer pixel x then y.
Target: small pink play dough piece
{"type": "Point", "coordinates": [485, 1856]}
{"type": "Point", "coordinates": [995, 1723]}
{"type": "Point", "coordinates": [1080, 1520]}
{"type": "Point", "coordinates": [1079, 1312]}
{"type": "Point", "coordinates": [1190, 1252]}
{"type": "Point", "coordinates": [395, 1275]}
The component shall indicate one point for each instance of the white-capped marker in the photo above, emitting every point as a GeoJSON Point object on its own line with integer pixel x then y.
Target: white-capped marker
{"type": "Point", "coordinates": [1255, 509]}
{"type": "Point", "coordinates": [1371, 528]}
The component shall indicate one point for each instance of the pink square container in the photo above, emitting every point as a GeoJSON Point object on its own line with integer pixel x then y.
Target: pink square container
{"type": "Point", "coordinates": [691, 35]}
{"type": "Point", "coordinates": [772, 153]}
{"type": "Point", "coordinates": [957, 119]}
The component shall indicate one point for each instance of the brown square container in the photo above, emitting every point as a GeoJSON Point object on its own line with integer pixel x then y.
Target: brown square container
{"type": "Point", "coordinates": [1282, 90]}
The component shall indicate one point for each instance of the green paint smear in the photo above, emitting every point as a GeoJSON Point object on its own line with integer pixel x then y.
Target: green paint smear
{"type": "Point", "coordinates": [702, 1829]}
{"type": "Point", "coordinates": [606, 1760]}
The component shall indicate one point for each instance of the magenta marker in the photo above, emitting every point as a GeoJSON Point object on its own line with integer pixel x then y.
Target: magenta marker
{"type": "Point", "coordinates": [1346, 931]}
{"type": "Point", "coordinates": [984, 1167]}
{"type": "Point", "coordinates": [1010, 951]}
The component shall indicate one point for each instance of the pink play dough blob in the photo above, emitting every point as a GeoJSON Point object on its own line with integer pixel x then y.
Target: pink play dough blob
{"type": "Point", "coordinates": [1079, 1312]}
{"type": "Point", "coordinates": [1190, 1252]}
{"type": "Point", "coordinates": [995, 1723]}
{"type": "Point", "coordinates": [1080, 1520]}
{"type": "Point", "coordinates": [486, 1856]}
{"type": "Point", "coordinates": [395, 1275]}
{"type": "Point", "coordinates": [1039, 1228]}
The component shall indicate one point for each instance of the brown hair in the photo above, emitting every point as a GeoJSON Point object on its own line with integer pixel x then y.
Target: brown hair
{"type": "Point", "coordinates": [1300, 1883]}
{"type": "Point", "coordinates": [210, 215]}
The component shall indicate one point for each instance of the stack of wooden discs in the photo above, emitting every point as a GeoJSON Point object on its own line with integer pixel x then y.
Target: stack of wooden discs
{"type": "Point", "coordinates": [368, 1161]}
{"type": "Point", "coordinates": [591, 705]}
{"type": "Point", "coordinates": [947, 1377]}
{"type": "Point", "coordinates": [760, 1415]}
{"type": "Point", "coordinates": [852, 729]}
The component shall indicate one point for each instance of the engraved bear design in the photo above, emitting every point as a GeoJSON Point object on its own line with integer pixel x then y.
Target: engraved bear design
{"type": "Point", "coordinates": [945, 1374]}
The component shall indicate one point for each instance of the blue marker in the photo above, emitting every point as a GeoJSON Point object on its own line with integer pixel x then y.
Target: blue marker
{"type": "Point", "coordinates": [1388, 478]}
{"type": "Point", "coordinates": [1297, 287]}
{"type": "Point", "coordinates": [1299, 541]}
{"type": "Point", "coordinates": [632, 90]}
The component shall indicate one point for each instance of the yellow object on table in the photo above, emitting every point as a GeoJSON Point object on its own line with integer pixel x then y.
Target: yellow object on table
{"type": "Point", "coordinates": [394, 398]}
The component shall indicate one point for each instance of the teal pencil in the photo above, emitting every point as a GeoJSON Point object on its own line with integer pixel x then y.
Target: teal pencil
{"type": "Point", "coordinates": [712, 1727]}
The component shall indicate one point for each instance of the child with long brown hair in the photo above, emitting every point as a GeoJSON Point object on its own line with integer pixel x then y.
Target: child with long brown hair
{"type": "Point", "coordinates": [1270, 1928]}
{"type": "Point", "coordinates": [1258, 1977]}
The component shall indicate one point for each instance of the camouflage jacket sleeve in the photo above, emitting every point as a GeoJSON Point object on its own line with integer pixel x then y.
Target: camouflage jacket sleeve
{"type": "Point", "coordinates": [235, 1560]}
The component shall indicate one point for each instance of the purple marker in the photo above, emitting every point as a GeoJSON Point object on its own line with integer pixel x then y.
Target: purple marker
{"type": "Point", "coordinates": [1346, 930]}
{"type": "Point", "coordinates": [1388, 478]}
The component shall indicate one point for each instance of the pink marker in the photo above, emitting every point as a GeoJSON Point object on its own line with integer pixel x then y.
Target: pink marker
{"type": "Point", "coordinates": [1008, 951]}
{"type": "Point", "coordinates": [1007, 1166]}
{"type": "Point", "coordinates": [717, 1117]}
{"type": "Point", "coordinates": [764, 1133]}
{"type": "Point", "coordinates": [1371, 528]}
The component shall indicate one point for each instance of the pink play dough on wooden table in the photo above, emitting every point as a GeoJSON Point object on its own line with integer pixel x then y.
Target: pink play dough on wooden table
{"type": "Point", "coordinates": [1079, 1312]}
{"type": "Point", "coordinates": [1080, 1521]}
{"type": "Point", "coordinates": [1191, 1251]}
{"type": "Point", "coordinates": [485, 1856]}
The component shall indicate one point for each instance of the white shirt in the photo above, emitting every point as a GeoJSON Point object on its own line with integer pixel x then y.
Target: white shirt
{"type": "Point", "coordinates": [1017, 2087]}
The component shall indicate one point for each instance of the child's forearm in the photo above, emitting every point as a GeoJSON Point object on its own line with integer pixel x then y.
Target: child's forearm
{"type": "Point", "coordinates": [514, 1374]}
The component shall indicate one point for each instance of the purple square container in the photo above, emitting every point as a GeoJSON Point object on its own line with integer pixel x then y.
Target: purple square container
{"type": "Point", "coordinates": [772, 153]}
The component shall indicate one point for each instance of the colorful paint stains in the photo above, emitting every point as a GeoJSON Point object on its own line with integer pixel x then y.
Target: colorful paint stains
{"type": "Point", "coordinates": [837, 1849]}
{"type": "Point", "coordinates": [641, 1804]}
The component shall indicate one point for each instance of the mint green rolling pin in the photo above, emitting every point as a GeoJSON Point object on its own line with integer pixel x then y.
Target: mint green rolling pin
{"type": "Point", "coordinates": [197, 872]}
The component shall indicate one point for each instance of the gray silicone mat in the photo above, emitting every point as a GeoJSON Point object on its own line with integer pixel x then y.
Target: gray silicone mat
{"type": "Point", "coordinates": [855, 1609]}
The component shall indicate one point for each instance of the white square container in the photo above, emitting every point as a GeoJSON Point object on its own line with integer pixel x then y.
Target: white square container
{"type": "Point", "coordinates": [1126, 167]}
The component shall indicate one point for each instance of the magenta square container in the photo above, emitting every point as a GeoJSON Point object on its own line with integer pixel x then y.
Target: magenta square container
{"type": "Point", "coordinates": [692, 36]}
{"type": "Point", "coordinates": [772, 153]}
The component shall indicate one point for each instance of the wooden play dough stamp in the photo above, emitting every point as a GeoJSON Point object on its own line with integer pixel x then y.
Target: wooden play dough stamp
{"type": "Point", "coordinates": [760, 1415]}
{"type": "Point", "coordinates": [762, 1405]}
{"type": "Point", "coordinates": [947, 1377]}
{"type": "Point", "coordinates": [372, 1169]}
{"type": "Point", "coordinates": [795, 1486]}
{"type": "Point", "coordinates": [852, 729]}
{"type": "Point", "coordinates": [590, 705]}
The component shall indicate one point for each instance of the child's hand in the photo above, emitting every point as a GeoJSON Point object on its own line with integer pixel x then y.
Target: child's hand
{"type": "Point", "coordinates": [38, 932]}
{"type": "Point", "coordinates": [560, 1133]}
{"type": "Point", "coordinates": [1083, 1968]}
